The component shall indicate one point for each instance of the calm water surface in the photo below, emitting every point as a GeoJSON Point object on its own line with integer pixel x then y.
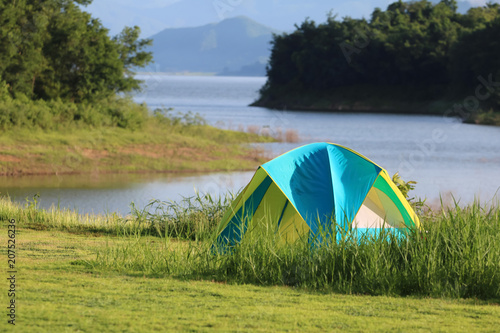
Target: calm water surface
{"type": "Point", "coordinates": [442, 155]}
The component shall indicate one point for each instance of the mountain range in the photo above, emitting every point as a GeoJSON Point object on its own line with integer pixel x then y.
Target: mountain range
{"type": "Point", "coordinates": [153, 16]}
{"type": "Point", "coordinates": [234, 46]}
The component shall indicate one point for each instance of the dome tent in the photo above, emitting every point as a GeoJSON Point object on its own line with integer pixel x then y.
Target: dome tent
{"type": "Point", "coordinates": [303, 191]}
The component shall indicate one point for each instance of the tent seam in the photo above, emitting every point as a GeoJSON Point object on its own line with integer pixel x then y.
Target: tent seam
{"type": "Point", "coordinates": [277, 185]}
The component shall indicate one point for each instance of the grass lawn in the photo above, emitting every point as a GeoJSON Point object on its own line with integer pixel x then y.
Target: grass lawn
{"type": "Point", "coordinates": [56, 292]}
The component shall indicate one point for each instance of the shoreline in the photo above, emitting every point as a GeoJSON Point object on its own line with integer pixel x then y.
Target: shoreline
{"type": "Point", "coordinates": [135, 172]}
{"type": "Point", "coordinates": [154, 149]}
{"type": "Point", "coordinates": [369, 99]}
{"type": "Point", "coordinates": [484, 118]}
{"type": "Point", "coordinates": [346, 108]}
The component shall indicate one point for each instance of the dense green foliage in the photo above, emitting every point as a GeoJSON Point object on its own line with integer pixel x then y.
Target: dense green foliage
{"type": "Point", "coordinates": [428, 51]}
{"type": "Point", "coordinates": [56, 114]}
{"type": "Point", "coordinates": [51, 50]}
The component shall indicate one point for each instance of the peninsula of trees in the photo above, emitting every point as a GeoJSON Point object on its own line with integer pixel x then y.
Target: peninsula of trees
{"type": "Point", "coordinates": [414, 57]}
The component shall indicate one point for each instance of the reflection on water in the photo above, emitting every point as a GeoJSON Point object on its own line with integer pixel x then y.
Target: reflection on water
{"type": "Point", "coordinates": [442, 155]}
{"type": "Point", "coordinates": [114, 192]}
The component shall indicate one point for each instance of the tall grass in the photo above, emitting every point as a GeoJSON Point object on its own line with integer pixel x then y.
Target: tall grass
{"type": "Point", "coordinates": [31, 216]}
{"type": "Point", "coordinates": [194, 218]}
{"type": "Point", "coordinates": [457, 256]}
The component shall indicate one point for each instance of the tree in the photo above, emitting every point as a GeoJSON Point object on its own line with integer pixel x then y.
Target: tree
{"type": "Point", "coordinates": [130, 48]}
{"type": "Point", "coordinates": [452, 4]}
{"type": "Point", "coordinates": [52, 49]}
{"type": "Point", "coordinates": [420, 46]}
{"type": "Point", "coordinates": [475, 61]}
{"type": "Point", "coordinates": [22, 35]}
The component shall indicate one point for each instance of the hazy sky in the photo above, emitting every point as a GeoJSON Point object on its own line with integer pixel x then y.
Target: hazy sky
{"type": "Point", "coordinates": [155, 15]}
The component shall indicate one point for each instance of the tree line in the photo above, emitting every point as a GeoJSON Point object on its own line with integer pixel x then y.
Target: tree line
{"type": "Point", "coordinates": [52, 50]}
{"type": "Point", "coordinates": [429, 48]}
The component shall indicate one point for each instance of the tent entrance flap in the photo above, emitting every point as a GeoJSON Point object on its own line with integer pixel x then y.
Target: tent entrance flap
{"type": "Point", "coordinates": [378, 211]}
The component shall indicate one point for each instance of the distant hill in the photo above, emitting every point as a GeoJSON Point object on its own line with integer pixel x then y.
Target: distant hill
{"type": "Point", "coordinates": [234, 46]}
{"type": "Point", "coordinates": [155, 15]}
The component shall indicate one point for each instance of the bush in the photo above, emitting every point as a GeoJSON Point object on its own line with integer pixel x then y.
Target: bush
{"type": "Point", "coordinates": [113, 111]}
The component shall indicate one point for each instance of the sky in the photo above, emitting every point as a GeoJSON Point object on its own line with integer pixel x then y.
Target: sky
{"type": "Point", "coordinates": [152, 16]}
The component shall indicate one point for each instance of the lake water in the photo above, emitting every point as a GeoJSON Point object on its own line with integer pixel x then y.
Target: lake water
{"type": "Point", "coordinates": [443, 155]}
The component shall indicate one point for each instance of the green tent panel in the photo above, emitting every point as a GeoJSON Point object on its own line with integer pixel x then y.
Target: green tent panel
{"type": "Point", "coordinates": [301, 192]}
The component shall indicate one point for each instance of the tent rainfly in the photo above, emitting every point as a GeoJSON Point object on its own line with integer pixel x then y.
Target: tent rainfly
{"type": "Point", "coordinates": [301, 192]}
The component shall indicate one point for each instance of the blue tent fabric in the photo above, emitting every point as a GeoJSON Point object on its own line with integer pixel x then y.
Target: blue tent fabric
{"type": "Point", "coordinates": [322, 179]}
{"type": "Point", "coordinates": [352, 177]}
{"type": "Point", "coordinates": [302, 176]}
